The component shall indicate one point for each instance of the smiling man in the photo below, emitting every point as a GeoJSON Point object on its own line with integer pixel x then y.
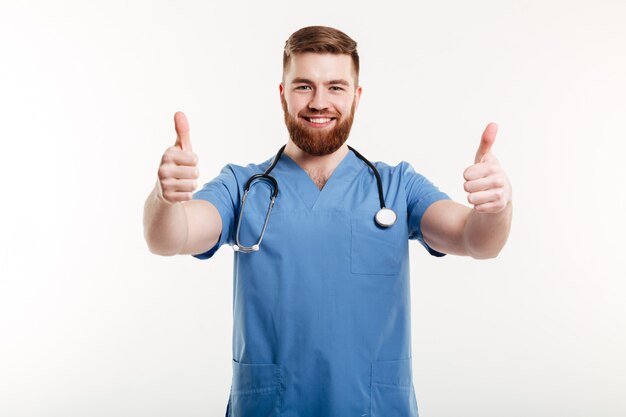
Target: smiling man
{"type": "Point", "coordinates": [321, 298]}
{"type": "Point", "coordinates": [319, 110]}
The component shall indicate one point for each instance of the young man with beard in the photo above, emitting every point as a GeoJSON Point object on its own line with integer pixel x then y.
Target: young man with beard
{"type": "Point", "coordinates": [321, 307]}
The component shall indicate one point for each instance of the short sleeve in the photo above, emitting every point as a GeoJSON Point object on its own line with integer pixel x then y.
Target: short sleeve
{"type": "Point", "coordinates": [223, 193]}
{"type": "Point", "coordinates": [421, 193]}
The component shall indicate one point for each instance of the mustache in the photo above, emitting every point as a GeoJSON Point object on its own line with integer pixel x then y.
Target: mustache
{"type": "Point", "coordinates": [320, 114]}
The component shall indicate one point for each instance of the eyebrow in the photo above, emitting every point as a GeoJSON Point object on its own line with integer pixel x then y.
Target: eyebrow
{"type": "Point", "coordinates": [331, 82]}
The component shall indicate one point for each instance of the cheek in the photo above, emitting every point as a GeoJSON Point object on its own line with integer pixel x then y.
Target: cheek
{"type": "Point", "coordinates": [292, 105]}
{"type": "Point", "coordinates": [345, 110]}
{"type": "Point", "coordinates": [344, 105]}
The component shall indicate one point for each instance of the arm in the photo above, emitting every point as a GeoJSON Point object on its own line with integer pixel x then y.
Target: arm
{"type": "Point", "coordinates": [189, 227]}
{"type": "Point", "coordinates": [173, 222]}
{"type": "Point", "coordinates": [453, 228]}
{"type": "Point", "coordinates": [482, 231]}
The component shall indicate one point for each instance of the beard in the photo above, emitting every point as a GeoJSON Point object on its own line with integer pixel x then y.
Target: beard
{"type": "Point", "coordinates": [315, 141]}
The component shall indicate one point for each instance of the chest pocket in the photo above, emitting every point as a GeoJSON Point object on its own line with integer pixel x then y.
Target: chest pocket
{"type": "Point", "coordinates": [375, 250]}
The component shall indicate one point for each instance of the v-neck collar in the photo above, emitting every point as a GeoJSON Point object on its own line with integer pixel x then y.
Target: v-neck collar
{"type": "Point", "coordinates": [312, 197]}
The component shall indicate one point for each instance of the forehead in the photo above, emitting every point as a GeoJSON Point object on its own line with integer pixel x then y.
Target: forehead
{"type": "Point", "coordinates": [320, 67]}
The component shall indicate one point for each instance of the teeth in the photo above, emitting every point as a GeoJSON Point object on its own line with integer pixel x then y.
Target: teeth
{"type": "Point", "coordinates": [321, 120]}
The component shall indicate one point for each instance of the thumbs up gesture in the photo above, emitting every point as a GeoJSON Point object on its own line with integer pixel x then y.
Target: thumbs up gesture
{"type": "Point", "coordinates": [178, 171]}
{"type": "Point", "coordinates": [488, 186]}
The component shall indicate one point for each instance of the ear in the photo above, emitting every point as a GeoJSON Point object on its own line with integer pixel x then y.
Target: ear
{"type": "Point", "coordinates": [357, 97]}
{"type": "Point", "coordinates": [283, 102]}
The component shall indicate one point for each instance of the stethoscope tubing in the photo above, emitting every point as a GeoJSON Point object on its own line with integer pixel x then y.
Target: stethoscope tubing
{"type": "Point", "coordinates": [385, 217]}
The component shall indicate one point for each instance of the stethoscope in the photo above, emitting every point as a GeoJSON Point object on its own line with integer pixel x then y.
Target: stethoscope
{"type": "Point", "coordinates": [385, 217]}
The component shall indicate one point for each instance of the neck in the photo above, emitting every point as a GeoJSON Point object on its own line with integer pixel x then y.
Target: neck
{"type": "Point", "coordinates": [318, 168]}
{"type": "Point", "coordinates": [323, 165]}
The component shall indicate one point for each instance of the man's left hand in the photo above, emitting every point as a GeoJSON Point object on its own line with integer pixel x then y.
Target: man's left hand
{"type": "Point", "coordinates": [488, 186]}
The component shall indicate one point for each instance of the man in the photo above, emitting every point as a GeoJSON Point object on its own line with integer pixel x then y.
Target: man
{"type": "Point", "coordinates": [321, 287]}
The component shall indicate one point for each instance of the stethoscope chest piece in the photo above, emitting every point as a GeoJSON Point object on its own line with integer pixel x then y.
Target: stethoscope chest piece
{"type": "Point", "coordinates": [385, 217]}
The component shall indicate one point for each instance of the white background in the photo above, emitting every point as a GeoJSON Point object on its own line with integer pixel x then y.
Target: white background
{"type": "Point", "coordinates": [93, 324]}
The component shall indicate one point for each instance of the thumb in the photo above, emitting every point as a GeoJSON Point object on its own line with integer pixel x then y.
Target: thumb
{"type": "Point", "coordinates": [182, 131]}
{"type": "Point", "coordinates": [486, 141]}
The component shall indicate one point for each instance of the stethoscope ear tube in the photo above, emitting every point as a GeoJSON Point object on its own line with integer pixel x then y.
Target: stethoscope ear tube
{"type": "Point", "coordinates": [263, 177]}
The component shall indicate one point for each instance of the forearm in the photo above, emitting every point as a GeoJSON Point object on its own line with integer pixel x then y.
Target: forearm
{"type": "Point", "coordinates": [485, 234]}
{"type": "Point", "coordinates": [165, 224]}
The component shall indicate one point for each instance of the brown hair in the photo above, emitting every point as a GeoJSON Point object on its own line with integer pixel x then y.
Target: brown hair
{"type": "Point", "coordinates": [321, 39]}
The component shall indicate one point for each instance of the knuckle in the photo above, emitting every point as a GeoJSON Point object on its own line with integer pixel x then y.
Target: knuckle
{"type": "Point", "coordinates": [168, 195]}
{"type": "Point", "coordinates": [485, 208]}
{"type": "Point", "coordinates": [168, 155]}
{"type": "Point", "coordinates": [163, 172]}
{"type": "Point", "coordinates": [166, 184]}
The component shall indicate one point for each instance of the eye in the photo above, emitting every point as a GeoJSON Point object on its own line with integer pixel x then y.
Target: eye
{"type": "Point", "coordinates": [303, 87]}
{"type": "Point", "coordinates": [336, 88]}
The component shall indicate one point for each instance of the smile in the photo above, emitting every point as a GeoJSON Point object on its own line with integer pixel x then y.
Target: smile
{"type": "Point", "coordinates": [318, 121]}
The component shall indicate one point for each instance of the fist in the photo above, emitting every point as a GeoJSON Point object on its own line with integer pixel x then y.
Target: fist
{"type": "Point", "coordinates": [178, 171]}
{"type": "Point", "coordinates": [488, 186]}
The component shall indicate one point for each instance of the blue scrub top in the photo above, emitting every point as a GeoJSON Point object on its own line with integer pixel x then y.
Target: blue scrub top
{"type": "Point", "coordinates": [322, 319]}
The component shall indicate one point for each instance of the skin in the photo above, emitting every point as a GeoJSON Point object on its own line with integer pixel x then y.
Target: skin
{"type": "Point", "coordinates": [318, 84]}
{"type": "Point", "coordinates": [175, 224]}
{"type": "Point", "coordinates": [481, 231]}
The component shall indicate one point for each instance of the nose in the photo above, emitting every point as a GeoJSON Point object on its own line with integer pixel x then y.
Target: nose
{"type": "Point", "coordinates": [319, 101]}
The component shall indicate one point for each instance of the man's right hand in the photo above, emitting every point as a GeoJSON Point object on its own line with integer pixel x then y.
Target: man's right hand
{"type": "Point", "coordinates": [169, 228]}
{"type": "Point", "coordinates": [179, 171]}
